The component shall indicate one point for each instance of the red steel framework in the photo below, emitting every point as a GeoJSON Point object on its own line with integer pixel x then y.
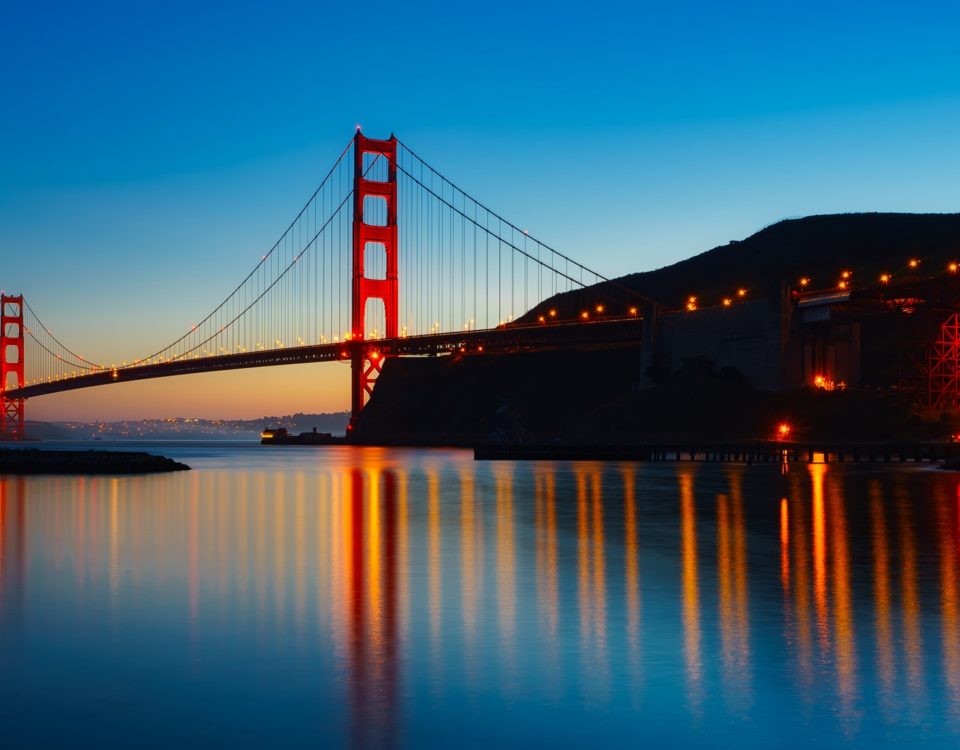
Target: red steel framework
{"type": "Point", "coordinates": [943, 366]}
{"type": "Point", "coordinates": [367, 360]}
{"type": "Point", "coordinates": [11, 363]}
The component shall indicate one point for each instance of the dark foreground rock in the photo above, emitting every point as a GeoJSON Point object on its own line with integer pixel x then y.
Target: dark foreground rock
{"type": "Point", "coordinates": [33, 461]}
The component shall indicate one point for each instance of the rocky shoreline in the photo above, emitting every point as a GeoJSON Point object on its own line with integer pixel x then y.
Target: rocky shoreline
{"type": "Point", "coordinates": [35, 461]}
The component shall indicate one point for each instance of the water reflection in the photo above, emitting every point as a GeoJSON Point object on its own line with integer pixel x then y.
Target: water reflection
{"type": "Point", "coordinates": [912, 634]}
{"type": "Point", "coordinates": [471, 565]}
{"type": "Point", "coordinates": [846, 653]}
{"type": "Point", "coordinates": [948, 527]}
{"type": "Point", "coordinates": [691, 590]}
{"type": "Point", "coordinates": [399, 595]}
{"type": "Point", "coordinates": [506, 573]}
{"type": "Point", "coordinates": [632, 577]}
{"type": "Point", "coordinates": [547, 568]}
{"type": "Point", "coordinates": [733, 595]}
{"type": "Point", "coordinates": [881, 600]}
{"type": "Point", "coordinates": [12, 548]}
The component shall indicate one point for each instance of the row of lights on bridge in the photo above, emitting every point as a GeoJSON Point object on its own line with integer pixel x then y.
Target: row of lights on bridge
{"type": "Point", "coordinates": [113, 368]}
{"type": "Point", "coordinates": [691, 305]}
{"type": "Point", "coordinates": [599, 311]}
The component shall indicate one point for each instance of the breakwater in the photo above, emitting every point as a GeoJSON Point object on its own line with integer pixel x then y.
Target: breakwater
{"type": "Point", "coordinates": [34, 461]}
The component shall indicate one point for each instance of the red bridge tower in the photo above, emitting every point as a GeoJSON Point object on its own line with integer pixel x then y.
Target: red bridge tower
{"type": "Point", "coordinates": [11, 363]}
{"type": "Point", "coordinates": [366, 358]}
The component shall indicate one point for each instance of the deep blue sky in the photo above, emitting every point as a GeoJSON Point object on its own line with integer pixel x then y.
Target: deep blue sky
{"type": "Point", "coordinates": [137, 139]}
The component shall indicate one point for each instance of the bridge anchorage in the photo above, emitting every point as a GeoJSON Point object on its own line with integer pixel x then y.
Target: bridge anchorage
{"type": "Point", "coordinates": [387, 258]}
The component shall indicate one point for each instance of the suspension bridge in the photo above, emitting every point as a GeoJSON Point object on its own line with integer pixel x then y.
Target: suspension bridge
{"type": "Point", "coordinates": [387, 258]}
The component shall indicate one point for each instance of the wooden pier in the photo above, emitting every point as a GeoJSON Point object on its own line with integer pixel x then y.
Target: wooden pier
{"type": "Point", "coordinates": [749, 453]}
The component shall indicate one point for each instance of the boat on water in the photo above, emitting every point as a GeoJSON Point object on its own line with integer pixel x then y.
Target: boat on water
{"type": "Point", "coordinates": [281, 436]}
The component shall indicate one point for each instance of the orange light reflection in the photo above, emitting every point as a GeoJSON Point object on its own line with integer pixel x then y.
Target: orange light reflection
{"type": "Point", "coordinates": [691, 590]}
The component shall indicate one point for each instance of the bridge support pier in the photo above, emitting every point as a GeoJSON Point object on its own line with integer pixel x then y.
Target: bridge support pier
{"type": "Point", "coordinates": [366, 358]}
{"type": "Point", "coordinates": [11, 366]}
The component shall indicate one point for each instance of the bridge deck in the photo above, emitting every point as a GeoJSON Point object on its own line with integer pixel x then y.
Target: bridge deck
{"type": "Point", "coordinates": [606, 333]}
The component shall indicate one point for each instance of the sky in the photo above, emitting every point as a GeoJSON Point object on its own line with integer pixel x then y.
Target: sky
{"type": "Point", "coordinates": [151, 152]}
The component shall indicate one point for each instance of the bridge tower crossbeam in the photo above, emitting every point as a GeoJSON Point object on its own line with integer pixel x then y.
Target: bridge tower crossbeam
{"type": "Point", "coordinates": [366, 358]}
{"type": "Point", "coordinates": [943, 366]}
{"type": "Point", "coordinates": [11, 364]}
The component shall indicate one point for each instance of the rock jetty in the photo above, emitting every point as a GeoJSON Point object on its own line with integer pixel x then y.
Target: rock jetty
{"type": "Point", "coordinates": [34, 461]}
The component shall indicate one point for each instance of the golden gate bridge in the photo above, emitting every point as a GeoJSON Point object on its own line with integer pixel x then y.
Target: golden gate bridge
{"type": "Point", "coordinates": [387, 258]}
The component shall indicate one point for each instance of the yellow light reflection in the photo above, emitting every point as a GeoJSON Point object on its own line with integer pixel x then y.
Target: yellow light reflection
{"type": "Point", "coordinates": [591, 576]}
{"type": "Point", "coordinates": [403, 551]}
{"type": "Point", "coordinates": [724, 584]}
{"type": "Point", "coordinates": [338, 553]}
{"type": "Point", "coordinates": [912, 633]}
{"type": "Point", "coordinates": [599, 583]}
{"type": "Point", "coordinates": [599, 567]}
{"type": "Point", "coordinates": [583, 561]}
{"type": "Point", "coordinates": [222, 535]}
{"type": "Point", "coordinates": [506, 563]}
{"type": "Point", "coordinates": [691, 590]}
{"type": "Point", "coordinates": [881, 599]}
{"type": "Point", "coordinates": [114, 540]}
{"type": "Point", "coordinates": [300, 550]}
{"type": "Point", "coordinates": [801, 588]}
{"type": "Point", "coordinates": [846, 653]}
{"type": "Point", "coordinates": [324, 542]}
{"type": "Point", "coordinates": [632, 574]}
{"type": "Point", "coordinates": [817, 472]}
{"type": "Point", "coordinates": [193, 535]}
{"type": "Point", "coordinates": [243, 539]}
{"type": "Point", "coordinates": [471, 557]}
{"type": "Point", "coordinates": [433, 515]}
{"type": "Point", "coordinates": [260, 545]}
{"type": "Point", "coordinates": [80, 535]}
{"type": "Point", "coordinates": [732, 591]}
{"type": "Point", "coordinates": [545, 523]}
{"type": "Point", "coordinates": [279, 542]}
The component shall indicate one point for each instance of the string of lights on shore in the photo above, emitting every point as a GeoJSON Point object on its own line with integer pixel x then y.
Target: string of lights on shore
{"type": "Point", "coordinates": [844, 283]}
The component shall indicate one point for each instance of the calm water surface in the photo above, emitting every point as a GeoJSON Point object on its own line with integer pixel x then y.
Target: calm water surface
{"type": "Point", "coordinates": [303, 597]}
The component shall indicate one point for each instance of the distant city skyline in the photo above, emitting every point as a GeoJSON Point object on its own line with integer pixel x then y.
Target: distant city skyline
{"type": "Point", "coordinates": [153, 153]}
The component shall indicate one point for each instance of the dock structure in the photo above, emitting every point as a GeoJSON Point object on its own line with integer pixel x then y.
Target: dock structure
{"type": "Point", "coordinates": [749, 453]}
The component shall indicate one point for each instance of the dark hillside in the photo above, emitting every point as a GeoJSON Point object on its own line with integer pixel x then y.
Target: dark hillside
{"type": "Point", "coordinates": [595, 396]}
{"type": "Point", "coordinates": [457, 400]}
{"type": "Point", "coordinates": [592, 397]}
{"type": "Point", "coordinates": [818, 247]}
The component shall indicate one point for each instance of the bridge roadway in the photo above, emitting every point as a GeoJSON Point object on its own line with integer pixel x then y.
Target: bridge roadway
{"type": "Point", "coordinates": [553, 336]}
